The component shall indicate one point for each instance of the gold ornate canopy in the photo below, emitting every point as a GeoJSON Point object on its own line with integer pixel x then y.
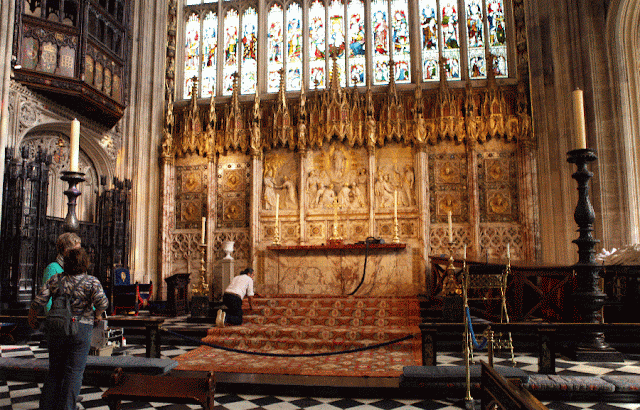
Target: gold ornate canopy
{"type": "Point", "coordinates": [414, 115]}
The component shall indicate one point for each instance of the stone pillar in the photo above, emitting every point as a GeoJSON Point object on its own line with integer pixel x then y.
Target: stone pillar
{"type": "Point", "coordinates": [7, 11]}
{"type": "Point", "coordinates": [142, 128]}
{"type": "Point", "coordinates": [223, 272]}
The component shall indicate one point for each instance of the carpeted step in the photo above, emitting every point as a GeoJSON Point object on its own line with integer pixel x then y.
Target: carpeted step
{"type": "Point", "coordinates": [309, 345]}
{"type": "Point", "coordinates": [373, 333]}
{"type": "Point", "coordinates": [407, 306]}
{"type": "Point", "coordinates": [332, 318]}
{"type": "Point", "coordinates": [311, 324]}
{"type": "Point", "coordinates": [315, 337]}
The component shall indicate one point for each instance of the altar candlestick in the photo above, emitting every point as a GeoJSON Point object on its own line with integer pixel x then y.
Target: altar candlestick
{"type": "Point", "coordinates": [508, 250]}
{"type": "Point", "coordinates": [464, 251]}
{"type": "Point", "coordinates": [395, 204]}
{"type": "Point", "coordinates": [277, 205]}
{"type": "Point", "coordinates": [204, 230]}
{"type": "Point", "coordinates": [74, 146]}
{"type": "Point", "coordinates": [450, 226]}
{"type": "Point", "coordinates": [578, 114]}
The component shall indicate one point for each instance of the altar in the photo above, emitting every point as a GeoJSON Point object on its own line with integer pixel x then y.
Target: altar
{"type": "Point", "coordinates": [338, 269]}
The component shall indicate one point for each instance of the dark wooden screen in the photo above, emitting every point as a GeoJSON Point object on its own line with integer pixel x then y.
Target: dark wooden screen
{"type": "Point", "coordinates": [23, 233]}
{"type": "Point", "coordinates": [28, 236]}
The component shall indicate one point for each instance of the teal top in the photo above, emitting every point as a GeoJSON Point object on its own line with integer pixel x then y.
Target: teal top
{"type": "Point", "coordinates": [52, 269]}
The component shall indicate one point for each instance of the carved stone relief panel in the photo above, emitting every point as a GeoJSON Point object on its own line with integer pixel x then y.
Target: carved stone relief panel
{"type": "Point", "coordinates": [317, 231]}
{"type": "Point", "coordinates": [319, 273]}
{"type": "Point", "coordinates": [337, 174]}
{"type": "Point", "coordinates": [186, 254]}
{"type": "Point", "coordinates": [280, 182]}
{"type": "Point", "coordinates": [191, 195]}
{"type": "Point", "coordinates": [234, 179]}
{"type": "Point", "coordinates": [494, 239]}
{"type": "Point", "coordinates": [290, 231]}
{"type": "Point", "coordinates": [497, 180]}
{"type": "Point", "coordinates": [448, 187]}
{"type": "Point", "coordinates": [241, 245]}
{"type": "Point", "coordinates": [395, 174]}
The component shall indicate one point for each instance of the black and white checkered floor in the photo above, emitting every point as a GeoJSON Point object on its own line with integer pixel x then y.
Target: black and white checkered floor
{"type": "Point", "coordinates": [19, 395]}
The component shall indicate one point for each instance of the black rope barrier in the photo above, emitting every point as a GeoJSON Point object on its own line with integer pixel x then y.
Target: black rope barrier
{"type": "Point", "coordinates": [231, 349]}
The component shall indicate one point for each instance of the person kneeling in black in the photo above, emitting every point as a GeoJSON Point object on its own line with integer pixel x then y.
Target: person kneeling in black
{"type": "Point", "coordinates": [240, 286]}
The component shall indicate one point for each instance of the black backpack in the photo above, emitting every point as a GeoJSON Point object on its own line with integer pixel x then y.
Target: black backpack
{"type": "Point", "coordinates": [60, 321]}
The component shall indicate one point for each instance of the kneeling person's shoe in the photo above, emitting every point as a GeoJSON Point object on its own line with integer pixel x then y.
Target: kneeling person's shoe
{"type": "Point", "coordinates": [220, 318]}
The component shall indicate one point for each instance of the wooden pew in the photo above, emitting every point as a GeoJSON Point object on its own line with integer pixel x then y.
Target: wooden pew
{"type": "Point", "coordinates": [548, 336]}
{"type": "Point", "coordinates": [498, 392]}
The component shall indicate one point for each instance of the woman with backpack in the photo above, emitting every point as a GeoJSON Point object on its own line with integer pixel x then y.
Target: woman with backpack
{"type": "Point", "coordinates": [68, 325]}
{"type": "Point", "coordinates": [64, 244]}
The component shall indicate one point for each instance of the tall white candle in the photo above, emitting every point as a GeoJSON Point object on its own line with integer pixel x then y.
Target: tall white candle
{"type": "Point", "coordinates": [578, 114]}
{"type": "Point", "coordinates": [450, 226]}
{"type": "Point", "coordinates": [277, 205]}
{"type": "Point", "coordinates": [74, 147]}
{"type": "Point", "coordinates": [508, 250]}
{"type": "Point", "coordinates": [204, 229]}
{"type": "Point", "coordinates": [395, 204]}
{"type": "Point", "coordinates": [464, 251]}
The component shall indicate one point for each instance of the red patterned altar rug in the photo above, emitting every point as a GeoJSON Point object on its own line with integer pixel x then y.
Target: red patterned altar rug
{"type": "Point", "coordinates": [303, 324]}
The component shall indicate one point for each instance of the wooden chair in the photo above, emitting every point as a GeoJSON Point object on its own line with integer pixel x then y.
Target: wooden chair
{"type": "Point", "coordinates": [129, 297]}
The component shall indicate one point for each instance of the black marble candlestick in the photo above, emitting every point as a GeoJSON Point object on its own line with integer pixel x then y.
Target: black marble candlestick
{"type": "Point", "coordinates": [587, 299]}
{"type": "Point", "coordinates": [71, 223]}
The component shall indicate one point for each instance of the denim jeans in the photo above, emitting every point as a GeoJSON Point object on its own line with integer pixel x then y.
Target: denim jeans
{"type": "Point", "coordinates": [67, 360]}
{"type": "Point", "coordinates": [234, 308]}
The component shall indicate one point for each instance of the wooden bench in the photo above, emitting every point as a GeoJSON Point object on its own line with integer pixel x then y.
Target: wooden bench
{"type": "Point", "coordinates": [498, 392]}
{"type": "Point", "coordinates": [547, 336]}
{"type": "Point", "coordinates": [162, 389]}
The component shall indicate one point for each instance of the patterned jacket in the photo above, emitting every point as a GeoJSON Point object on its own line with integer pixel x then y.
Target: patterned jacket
{"type": "Point", "coordinates": [88, 295]}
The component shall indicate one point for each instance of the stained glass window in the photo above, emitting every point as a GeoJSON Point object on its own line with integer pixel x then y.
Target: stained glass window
{"type": "Point", "coordinates": [249, 66]}
{"type": "Point", "coordinates": [429, 40]}
{"type": "Point", "coordinates": [464, 34]}
{"type": "Point", "coordinates": [356, 40]}
{"type": "Point", "coordinates": [275, 39]}
{"type": "Point", "coordinates": [317, 45]}
{"type": "Point", "coordinates": [336, 38]}
{"type": "Point", "coordinates": [400, 33]}
{"type": "Point", "coordinates": [497, 37]}
{"type": "Point", "coordinates": [294, 47]}
{"type": "Point", "coordinates": [209, 53]}
{"type": "Point", "coordinates": [451, 38]}
{"type": "Point", "coordinates": [192, 52]}
{"type": "Point", "coordinates": [230, 56]}
{"type": "Point", "coordinates": [380, 39]}
{"type": "Point", "coordinates": [475, 39]}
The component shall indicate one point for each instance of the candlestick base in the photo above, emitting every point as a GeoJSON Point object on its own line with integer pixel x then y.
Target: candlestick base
{"type": "Point", "coordinates": [71, 223]}
{"type": "Point", "coordinates": [202, 288]}
{"type": "Point", "coordinates": [587, 298]}
{"type": "Point", "coordinates": [276, 234]}
{"type": "Point", "coordinates": [396, 237]}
